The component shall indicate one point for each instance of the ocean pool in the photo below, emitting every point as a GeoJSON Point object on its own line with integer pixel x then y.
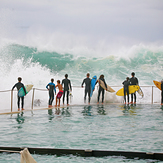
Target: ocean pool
{"type": "Point", "coordinates": [115, 127]}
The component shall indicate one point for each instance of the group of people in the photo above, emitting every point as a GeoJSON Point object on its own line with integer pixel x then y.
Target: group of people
{"type": "Point", "coordinates": [130, 81]}
{"type": "Point", "coordinates": [52, 88]}
{"type": "Point", "coordinates": [65, 88]}
{"type": "Point", "coordinates": [87, 82]}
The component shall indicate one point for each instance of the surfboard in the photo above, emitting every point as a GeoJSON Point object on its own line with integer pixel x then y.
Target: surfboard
{"type": "Point", "coordinates": [93, 82]}
{"type": "Point", "coordinates": [157, 84]}
{"type": "Point", "coordinates": [140, 92]}
{"type": "Point", "coordinates": [21, 92]}
{"type": "Point", "coordinates": [109, 89]}
{"type": "Point", "coordinates": [132, 89]}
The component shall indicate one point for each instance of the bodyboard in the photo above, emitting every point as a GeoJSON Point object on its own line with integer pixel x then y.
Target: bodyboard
{"type": "Point", "coordinates": [157, 84]}
{"type": "Point", "coordinates": [109, 89]}
{"type": "Point", "coordinates": [132, 89]}
{"type": "Point", "coordinates": [21, 92]}
{"type": "Point", "coordinates": [93, 83]}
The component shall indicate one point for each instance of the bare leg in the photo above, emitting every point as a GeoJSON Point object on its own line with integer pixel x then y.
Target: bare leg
{"type": "Point", "coordinates": [59, 102]}
{"type": "Point", "coordinates": [56, 101]}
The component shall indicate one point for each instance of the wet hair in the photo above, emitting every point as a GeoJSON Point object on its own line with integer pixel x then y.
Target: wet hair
{"type": "Point", "coordinates": [66, 75]}
{"type": "Point", "coordinates": [127, 78]}
{"type": "Point", "coordinates": [52, 80]}
{"type": "Point", "coordinates": [19, 79]}
{"type": "Point", "coordinates": [102, 76]}
{"type": "Point", "coordinates": [58, 81]}
{"type": "Point", "coordinates": [88, 74]}
{"type": "Point", "coordinates": [133, 73]}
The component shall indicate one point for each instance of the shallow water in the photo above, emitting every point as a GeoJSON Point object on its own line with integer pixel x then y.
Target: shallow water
{"type": "Point", "coordinates": [102, 127]}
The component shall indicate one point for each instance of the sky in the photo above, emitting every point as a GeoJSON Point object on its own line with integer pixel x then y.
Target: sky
{"type": "Point", "coordinates": [91, 22]}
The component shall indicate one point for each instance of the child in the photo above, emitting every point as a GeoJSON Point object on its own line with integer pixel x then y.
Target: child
{"type": "Point", "coordinates": [126, 83]}
{"type": "Point", "coordinates": [59, 95]}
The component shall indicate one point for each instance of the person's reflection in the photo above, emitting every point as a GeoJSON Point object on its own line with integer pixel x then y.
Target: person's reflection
{"type": "Point", "coordinates": [87, 110]}
{"type": "Point", "coordinates": [101, 110]}
{"type": "Point", "coordinates": [51, 115]}
{"type": "Point", "coordinates": [20, 119]}
{"type": "Point", "coordinates": [65, 112]}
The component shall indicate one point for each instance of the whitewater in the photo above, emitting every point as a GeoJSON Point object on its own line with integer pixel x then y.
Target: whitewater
{"type": "Point", "coordinates": [37, 65]}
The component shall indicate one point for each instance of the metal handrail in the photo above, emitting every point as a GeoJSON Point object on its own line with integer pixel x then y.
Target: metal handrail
{"type": "Point", "coordinates": [33, 94]}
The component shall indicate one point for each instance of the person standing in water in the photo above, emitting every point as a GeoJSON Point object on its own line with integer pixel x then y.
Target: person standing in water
{"type": "Point", "coordinates": [51, 88]}
{"type": "Point", "coordinates": [18, 86]}
{"type": "Point", "coordinates": [101, 89]}
{"type": "Point", "coordinates": [67, 88]}
{"type": "Point", "coordinates": [126, 83]}
{"type": "Point", "coordinates": [59, 95]}
{"type": "Point", "coordinates": [162, 92]}
{"type": "Point", "coordinates": [133, 81]}
{"type": "Point", "coordinates": [87, 82]}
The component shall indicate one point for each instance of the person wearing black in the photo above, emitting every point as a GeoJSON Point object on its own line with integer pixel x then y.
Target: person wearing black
{"type": "Point", "coordinates": [87, 82]}
{"type": "Point", "coordinates": [133, 81]}
{"type": "Point", "coordinates": [161, 92]}
{"type": "Point", "coordinates": [67, 88]}
{"type": "Point", "coordinates": [126, 83]}
{"type": "Point", "coordinates": [101, 89]}
{"type": "Point", "coordinates": [51, 88]}
{"type": "Point", "coordinates": [18, 86]}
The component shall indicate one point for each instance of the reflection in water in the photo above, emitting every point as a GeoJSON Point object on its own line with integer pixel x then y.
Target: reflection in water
{"type": "Point", "coordinates": [65, 112]}
{"type": "Point", "coordinates": [87, 110]}
{"type": "Point", "coordinates": [129, 109]}
{"type": "Point", "coordinates": [101, 110]}
{"type": "Point", "coordinates": [51, 116]}
{"type": "Point", "coordinates": [20, 119]}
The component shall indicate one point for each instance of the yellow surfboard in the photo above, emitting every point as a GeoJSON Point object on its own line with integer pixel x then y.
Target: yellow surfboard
{"type": "Point", "coordinates": [157, 84]}
{"type": "Point", "coordinates": [109, 89]}
{"type": "Point", "coordinates": [132, 89]}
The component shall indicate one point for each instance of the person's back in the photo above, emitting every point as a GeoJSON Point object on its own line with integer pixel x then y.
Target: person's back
{"type": "Point", "coordinates": [133, 81]}
{"type": "Point", "coordinates": [67, 84]}
{"type": "Point", "coordinates": [87, 82]}
{"type": "Point", "coordinates": [67, 88]}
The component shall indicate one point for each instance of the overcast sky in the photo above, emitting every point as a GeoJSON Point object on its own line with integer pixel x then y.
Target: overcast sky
{"type": "Point", "coordinates": [136, 21]}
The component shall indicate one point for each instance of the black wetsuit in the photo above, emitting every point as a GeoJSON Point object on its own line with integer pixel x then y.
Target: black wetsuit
{"type": "Point", "coordinates": [101, 90]}
{"type": "Point", "coordinates": [126, 89]}
{"type": "Point", "coordinates": [161, 92]}
{"type": "Point", "coordinates": [87, 82]}
{"type": "Point", "coordinates": [18, 86]}
{"type": "Point", "coordinates": [51, 87]}
{"type": "Point", "coordinates": [133, 81]}
{"type": "Point", "coordinates": [67, 88]}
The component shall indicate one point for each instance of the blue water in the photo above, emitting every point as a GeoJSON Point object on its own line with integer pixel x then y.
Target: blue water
{"type": "Point", "coordinates": [109, 127]}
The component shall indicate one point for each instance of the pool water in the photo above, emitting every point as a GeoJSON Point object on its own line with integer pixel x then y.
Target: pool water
{"type": "Point", "coordinates": [114, 127]}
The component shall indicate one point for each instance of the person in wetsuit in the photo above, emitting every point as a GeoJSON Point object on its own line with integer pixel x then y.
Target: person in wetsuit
{"type": "Point", "coordinates": [87, 82]}
{"type": "Point", "coordinates": [67, 88]}
{"type": "Point", "coordinates": [51, 88]}
{"type": "Point", "coordinates": [18, 86]}
{"type": "Point", "coordinates": [126, 83]}
{"type": "Point", "coordinates": [133, 81]}
{"type": "Point", "coordinates": [162, 92]}
{"type": "Point", "coordinates": [101, 89]}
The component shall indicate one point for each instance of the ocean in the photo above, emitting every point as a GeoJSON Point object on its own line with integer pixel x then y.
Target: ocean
{"type": "Point", "coordinates": [37, 65]}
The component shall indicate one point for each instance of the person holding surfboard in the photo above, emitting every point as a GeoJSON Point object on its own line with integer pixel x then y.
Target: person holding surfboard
{"type": "Point", "coordinates": [162, 92]}
{"type": "Point", "coordinates": [126, 84]}
{"type": "Point", "coordinates": [18, 86]}
{"type": "Point", "coordinates": [133, 81]}
{"type": "Point", "coordinates": [51, 88]}
{"type": "Point", "coordinates": [87, 82]}
{"type": "Point", "coordinates": [101, 89]}
{"type": "Point", "coordinates": [67, 88]}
